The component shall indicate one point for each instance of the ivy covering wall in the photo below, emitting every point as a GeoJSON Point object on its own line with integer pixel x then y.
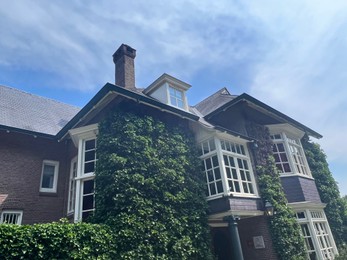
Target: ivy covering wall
{"type": "Point", "coordinates": [328, 190]}
{"type": "Point", "coordinates": [286, 234]}
{"type": "Point", "coordinates": [149, 188]}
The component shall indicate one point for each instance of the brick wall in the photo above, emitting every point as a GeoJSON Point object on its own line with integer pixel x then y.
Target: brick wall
{"type": "Point", "coordinates": [21, 158]}
{"type": "Point", "coordinates": [253, 227]}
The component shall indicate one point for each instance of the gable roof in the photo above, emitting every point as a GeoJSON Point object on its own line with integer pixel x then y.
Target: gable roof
{"type": "Point", "coordinates": [214, 101]}
{"type": "Point", "coordinates": [108, 92]}
{"type": "Point", "coordinates": [260, 106]}
{"type": "Point", "coordinates": [25, 112]}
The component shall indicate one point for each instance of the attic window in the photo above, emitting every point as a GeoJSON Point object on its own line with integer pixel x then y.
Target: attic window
{"type": "Point", "coordinates": [176, 97]}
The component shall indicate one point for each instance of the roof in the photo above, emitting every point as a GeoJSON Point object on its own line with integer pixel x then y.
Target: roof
{"type": "Point", "coordinates": [26, 112]}
{"type": "Point", "coordinates": [134, 94]}
{"type": "Point", "coordinates": [214, 101]}
{"type": "Point", "coordinates": [261, 107]}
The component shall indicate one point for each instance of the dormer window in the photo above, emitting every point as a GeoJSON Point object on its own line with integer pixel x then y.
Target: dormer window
{"type": "Point", "coordinates": [170, 91]}
{"type": "Point", "coordinates": [176, 97]}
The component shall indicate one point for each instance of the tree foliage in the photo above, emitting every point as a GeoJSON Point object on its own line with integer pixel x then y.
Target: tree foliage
{"type": "Point", "coordinates": [57, 240]}
{"type": "Point", "coordinates": [328, 190]}
{"type": "Point", "coordinates": [149, 189]}
{"type": "Point", "coordinates": [285, 230]}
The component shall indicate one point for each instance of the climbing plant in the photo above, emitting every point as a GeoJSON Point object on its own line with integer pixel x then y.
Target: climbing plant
{"type": "Point", "coordinates": [149, 188]}
{"type": "Point", "coordinates": [327, 189]}
{"type": "Point", "coordinates": [286, 234]}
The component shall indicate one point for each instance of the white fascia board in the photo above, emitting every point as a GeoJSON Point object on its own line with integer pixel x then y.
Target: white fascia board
{"type": "Point", "coordinates": [83, 132]}
{"type": "Point", "coordinates": [287, 128]}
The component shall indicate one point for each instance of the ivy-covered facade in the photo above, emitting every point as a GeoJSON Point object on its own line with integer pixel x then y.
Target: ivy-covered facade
{"type": "Point", "coordinates": [260, 198]}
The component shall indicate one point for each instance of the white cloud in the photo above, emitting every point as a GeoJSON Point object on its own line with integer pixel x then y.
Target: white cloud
{"type": "Point", "coordinates": [293, 51]}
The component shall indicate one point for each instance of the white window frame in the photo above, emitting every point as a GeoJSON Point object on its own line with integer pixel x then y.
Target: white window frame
{"type": "Point", "coordinates": [80, 136]}
{"type": "Point", "coordinates": [314, 215]}
{"type": "Point", "coordinates": [55, 176]}
{"type": "Point", "coordinates": [220, 153]}
{"type": "Point", "coordinates": [288, 134]}
{"type": "Point", "coordinates": [18, 213]}
{"type": "Point", "coordinates": [176, 98]}
{"type": "Point", "coordinates": [72, 186]}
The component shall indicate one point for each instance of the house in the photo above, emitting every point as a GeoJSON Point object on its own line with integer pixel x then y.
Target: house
{"type": "Point", "coordinates": [48, 157]}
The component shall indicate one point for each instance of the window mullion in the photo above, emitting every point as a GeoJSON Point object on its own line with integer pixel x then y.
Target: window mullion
{"type": "Point", "coordinates": [330, 235]}
{"type": "Point", "coordinates": [317, 246]}
{"type": "Point", "coordinates": [78, 206]}
{"type": "Point", "coordinates": [289, 153]}
{"type": "Point", "coordinates": [305, 160]}
{"type": "Point", "coordinates": [222, 167]}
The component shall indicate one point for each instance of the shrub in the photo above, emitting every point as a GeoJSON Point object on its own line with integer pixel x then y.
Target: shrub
{"type": "Point", "coordinates": [57, 240]}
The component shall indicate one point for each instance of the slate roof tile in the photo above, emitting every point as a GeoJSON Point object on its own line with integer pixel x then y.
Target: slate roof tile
{"type": "Point", "coordinates": [22, 110]}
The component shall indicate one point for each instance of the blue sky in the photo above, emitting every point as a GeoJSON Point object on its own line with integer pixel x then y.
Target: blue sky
{"type": "Point", "coordinates": [289, 54]}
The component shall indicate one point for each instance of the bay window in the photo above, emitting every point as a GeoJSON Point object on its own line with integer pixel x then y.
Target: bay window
{"type": "Point", "coordinates": [83, 174]}
{"type": "Point", "coordinates": [227, 168]}
{"type": "Point", "coordinates": [287, 150]}
{"type": "Point", "coordinates": [316, 232]}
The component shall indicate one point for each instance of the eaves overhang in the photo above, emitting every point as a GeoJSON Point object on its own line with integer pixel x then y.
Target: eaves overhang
{"type": "Point", "coordinates": [35, 134]}
{"type": "Point", "coordinates": [262, 107]}
{"type": "Point", "coordinates": [129, 94]}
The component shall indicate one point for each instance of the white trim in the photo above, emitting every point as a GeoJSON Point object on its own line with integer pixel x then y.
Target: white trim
{"type": "Point", "coordinates": [284, 175]}
{"type": "Point", "coordinates": [296, 206]}
{"type": "Point", "coordinates": [308, 208]}
{"type": "Point", "coordinates": [55, 176]}
{"type": "Point", "coordinates": [166, 78]}
{"type": "Point", "coordinates": [81, 136]}
{"type": "Point", "coordinates": [241, 213]}
{"type": "Point", "coordinates": [19, 216]}
{"type": "Point", "coordinates": [83, 132]}
{"type": "Point", "coordinates": [72, 181]}
{"type": "Point", "coordinates": [278, 128]}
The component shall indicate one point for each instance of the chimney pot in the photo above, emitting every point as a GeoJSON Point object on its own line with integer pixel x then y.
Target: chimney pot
{"type": "Point", "coordinates": [123, 59]}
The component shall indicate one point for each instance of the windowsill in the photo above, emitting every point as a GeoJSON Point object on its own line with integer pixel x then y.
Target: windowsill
{"type": "Point", "coordinates": [284, 175]}
{"type": "Point", "coordinates": [48, 194]}
{"type": "Point", "coordinates": [233, 195]}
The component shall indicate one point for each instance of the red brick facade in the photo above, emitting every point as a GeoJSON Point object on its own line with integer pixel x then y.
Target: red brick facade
{"type": "Point", "coordinates": [20, 174]}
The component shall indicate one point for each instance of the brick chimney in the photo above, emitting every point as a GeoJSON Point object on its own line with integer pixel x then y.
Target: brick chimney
{"type": "Point", "coordinates": [123, 58]}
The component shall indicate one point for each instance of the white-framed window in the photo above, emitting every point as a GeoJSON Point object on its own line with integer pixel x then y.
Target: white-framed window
{"type": "Point", "coordinates": [86, 178]}
{"type": "Point", "coordinates": [49, 176]}
{"type": "Point", "coordinates": [227, 168]}
{"type": "Point", "coordinates": [11, 217]}
{"type": "Point", "coordinates": [316, 232]}
{"type": "Point", "coordinates": [288, 152]}
{"type": "Point", "coordinates": [85, 139]}
{"type": "Point", "coordinates": [72, 186]}
{"type": "Point", "coordinates": [176, 97]}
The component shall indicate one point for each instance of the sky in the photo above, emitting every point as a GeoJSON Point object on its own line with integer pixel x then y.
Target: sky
{"type": "Point", "coordinates": [291, 55]}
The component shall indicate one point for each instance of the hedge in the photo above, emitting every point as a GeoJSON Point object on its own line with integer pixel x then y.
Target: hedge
{"type": "Point", "coordinates": [57, 240]}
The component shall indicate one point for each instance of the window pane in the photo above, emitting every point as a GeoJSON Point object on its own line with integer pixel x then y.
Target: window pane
{"type": "Point", "coordinates": [210, 176]}
{"type": "Point", "coordinates": [208, 163]}
{"type": "Point", "coordinates": [89, 167]}
{"type": "Point", "coordinates": [90, 144]}
{"type": "Point", "coordinates": [48, 176]}
{"type": "Point", "coordinates": [215, 161]}
{"type": "Point", "coordinates": [89, 156]}
{"type": "Point", "coordinates": [88, 187]}
{"type": "Point", "coordinates": [217, 174]}
{"type": "Point", "coordinates": [219, 187]}
{"type": "Point", "coordinates": [237, 186]}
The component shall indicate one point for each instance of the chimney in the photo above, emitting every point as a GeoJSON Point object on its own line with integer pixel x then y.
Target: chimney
{"type": "Point", "coordinates": [123, 58]}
